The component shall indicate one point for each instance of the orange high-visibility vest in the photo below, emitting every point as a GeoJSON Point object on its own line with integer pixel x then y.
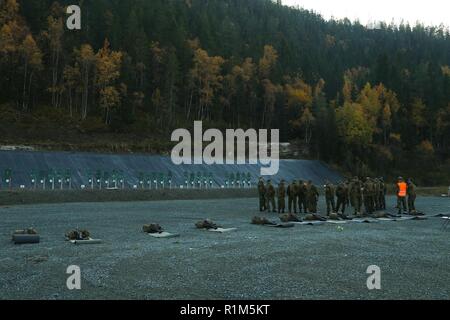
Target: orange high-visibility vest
{"type": "Point", "coordinates": [402, 186]}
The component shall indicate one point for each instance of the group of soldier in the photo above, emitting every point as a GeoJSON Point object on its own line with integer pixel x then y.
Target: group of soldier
{"type": "Point", "coordinates": [368, 194]}
{"type": "Point", "coordinates": [301, 195]}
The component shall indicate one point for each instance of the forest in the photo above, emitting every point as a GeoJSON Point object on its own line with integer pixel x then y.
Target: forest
{"type": "Point", "coordinates": [370, 101]}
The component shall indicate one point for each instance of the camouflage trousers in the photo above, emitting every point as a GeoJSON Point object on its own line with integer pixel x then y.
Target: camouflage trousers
{"type": "Point", "coordinates": [312, 205]}
{"type": "Point", "coordinates": [379, 201]}
{"type": "Point", "coordinates": [292, 205]}
{"type": "Point", "coordinates": [262, 203]}
{"type": "Point", "coordinates": [281, 204]}
{"type": "Point", "coordinates": [356, 203]}
{"type": "Point", "coordinates": [302, 204]}
{"type": "Point", "coordinates": [369, 204]}
{"type": "Point", "coordinates": [341, 203]}
{"type": "Point", "coordinates": [411, 203]}
{"type": "Point", "coordinates": [270, 204]}
{"type": "Point", "coordinates": [382, 201]}
{"type": "Point", "coordinates": [331, 206]}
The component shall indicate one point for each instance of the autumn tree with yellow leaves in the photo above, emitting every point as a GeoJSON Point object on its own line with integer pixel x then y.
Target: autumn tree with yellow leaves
{"type": "Point", "coordinates": [108, 64]}
{"type": "Point", "coordinates": [54, 35]}
{"type": "Point", "coordinates": [206, 80]}
{"type": "Point", "coordinates": [85, 58]}
{"type": "Point", "coordinates": [32, 60]}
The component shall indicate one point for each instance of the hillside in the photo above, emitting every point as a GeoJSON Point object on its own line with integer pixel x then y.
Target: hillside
{"type": "Point", "coordinates": [373, 101]}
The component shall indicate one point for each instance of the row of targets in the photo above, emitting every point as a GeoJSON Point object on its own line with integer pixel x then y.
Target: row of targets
{"type": "Point", "coordinates": [238, 180]}
{"type": "Point", "coordinates": [101, 179]}
{"type": "Point", "coordinates": [51, 179]}
{"type": "Point", "coordinates": [199, 180]}
{"type": "Point", "coordinates": [154, 180]}
{"type": "Point", "coordinates": [115, 179]}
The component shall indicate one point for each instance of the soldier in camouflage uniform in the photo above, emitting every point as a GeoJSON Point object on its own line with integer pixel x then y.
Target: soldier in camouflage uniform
{"type": "Point", "coordinates": [301, 197]}
{"type": "Point", "coordinates": [292, 196]}
{"type": "Point", "coordinates": [281, 197]}
{"type": "Point", "coordinates": [342, 197]}
{"type": "Point", "coordinates": [329, 197]}
{"type": "Point", "coordinates": [312, 196]}
{"type": "Point", "coordinates": [368, 193]}
{"type": "Point", "coordinates": [411, 191]}
{"type": "Point", "coordinates": [348, 182]}
{"type": "Point", "coordinates": [382, 194]}
{"type": "Point", "coordinates": [262, 195]}
{"type": "Point", "coordinates": [270, 197]}
{"type": "Point", "coordinates": [356, 195]}
{"type": "Point", "coordinates": [376, 193]}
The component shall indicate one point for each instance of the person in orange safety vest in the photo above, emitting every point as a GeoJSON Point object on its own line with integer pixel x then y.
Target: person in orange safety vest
{"type": "Point", "coordinates": [402, 191]}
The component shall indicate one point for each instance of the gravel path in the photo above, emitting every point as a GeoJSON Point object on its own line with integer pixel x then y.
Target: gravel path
{"type": "Point", "coordinates": [254, 262]}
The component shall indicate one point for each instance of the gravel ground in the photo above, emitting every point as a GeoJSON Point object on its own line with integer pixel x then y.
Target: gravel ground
{"type": "Point", "coordinates": [254, 262]}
